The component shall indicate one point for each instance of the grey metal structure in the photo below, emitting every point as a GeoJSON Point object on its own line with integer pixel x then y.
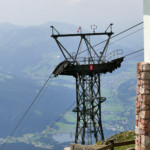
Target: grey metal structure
{"type": "Point", "coordinates": [87, 71]}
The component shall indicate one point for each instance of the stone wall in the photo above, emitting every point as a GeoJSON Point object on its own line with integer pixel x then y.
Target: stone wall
{"type": "Point", "coordinates": [143, 107]}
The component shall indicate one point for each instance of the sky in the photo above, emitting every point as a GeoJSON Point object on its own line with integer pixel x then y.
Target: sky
{"type": "Point", "coordinates": [123, 13]}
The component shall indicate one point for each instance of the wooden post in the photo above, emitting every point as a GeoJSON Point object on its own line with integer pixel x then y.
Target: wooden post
{"type": "Point", "coordinates": [112, 142]}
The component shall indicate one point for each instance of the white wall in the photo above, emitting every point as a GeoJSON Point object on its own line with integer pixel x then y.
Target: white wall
{"type": "Point", "coordinates": [146, 10]}
{"type": "Point", "coordinates": [67, 148]}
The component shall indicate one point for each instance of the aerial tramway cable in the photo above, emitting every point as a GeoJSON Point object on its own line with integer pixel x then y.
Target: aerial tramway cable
{"type": "Point", "coordinates": [126, 36]}
{"type": "Point", "coordinates": [115, 35]}
{"type": "Point", "coordinates": [134, 52]}
{"type": "Point", "coordinates": [123, 38]}
{"type": "Point", "coordinates": [28, 109]}
{"type": "Point", "coordinates": [53, 124]}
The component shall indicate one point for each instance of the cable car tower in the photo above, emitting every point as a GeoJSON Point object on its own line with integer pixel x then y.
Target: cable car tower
{"type": "Point", "coordinates": [86, 70]}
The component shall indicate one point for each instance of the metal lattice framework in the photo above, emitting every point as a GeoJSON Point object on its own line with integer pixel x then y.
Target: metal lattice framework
{"type": "Point", "coordinates": [87, 71]}
{"type": "Point", "coordinates": [88, 109]}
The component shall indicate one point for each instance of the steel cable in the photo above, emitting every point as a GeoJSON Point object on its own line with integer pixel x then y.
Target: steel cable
{"type": "Point", "coordinates": [25, 113]}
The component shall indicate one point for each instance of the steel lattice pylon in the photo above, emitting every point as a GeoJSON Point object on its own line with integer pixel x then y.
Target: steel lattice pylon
{"type": "Point", "coordinates": [88, 101]}
{"type": "Point", "coordinates": [87, 71]}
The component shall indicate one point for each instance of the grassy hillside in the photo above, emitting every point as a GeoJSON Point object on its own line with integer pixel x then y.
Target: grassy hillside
{"type": "Point", "coordinates": [121, 137]}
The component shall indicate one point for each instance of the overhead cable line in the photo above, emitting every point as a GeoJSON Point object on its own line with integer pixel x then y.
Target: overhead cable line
{"type": "Point", "coordinates": [124, 37]}
{"type": "Point", "coordinates": [56, 121]}
{"type": "Point", "coordinates": [134, 52]}
{"type": "Point", "coordinates": [25, 113]}
{"type": "Point", "coordinates": [115, 35]}
{"type": "Point", "coordinates": [134, 57]}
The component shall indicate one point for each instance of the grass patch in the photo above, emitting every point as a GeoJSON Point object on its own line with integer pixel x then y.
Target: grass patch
{"type": "Point", "coordinates": [122, 137]}
{"type": "Point", "coordinates": [105, 92]}
{"type": "Point", "coordinates": [62, 127]}
{"type": "Point", "coordinates": [113, 117]}
{"type": "Point", "coordinates": [70, 117]}
{"type": "Point", "coordinates": [114, 107]}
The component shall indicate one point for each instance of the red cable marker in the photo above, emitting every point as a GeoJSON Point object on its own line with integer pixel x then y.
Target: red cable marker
{"type": "Point", "coordinates": [91, 67]}
{"type": "Point", "coordinates": [79, 29]}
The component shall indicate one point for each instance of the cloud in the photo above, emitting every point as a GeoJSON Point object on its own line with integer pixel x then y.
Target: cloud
{"type": "Point", "coordinates": [78, 12]}
{"type": "Point", "coordinates": [75, 2]}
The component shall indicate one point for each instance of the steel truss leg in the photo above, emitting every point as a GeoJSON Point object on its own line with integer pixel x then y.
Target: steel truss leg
{"type": "Point", "coordinates": [88, 100]}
